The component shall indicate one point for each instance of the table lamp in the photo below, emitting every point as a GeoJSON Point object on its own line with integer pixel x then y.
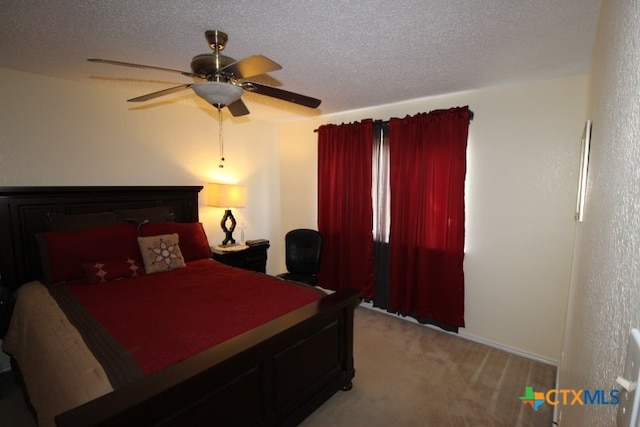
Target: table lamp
{"type": "Point", "coordinates": [227, 196]}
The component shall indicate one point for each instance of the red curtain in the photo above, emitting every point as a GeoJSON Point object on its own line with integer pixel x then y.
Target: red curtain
{"type": "Point", "coordinates": [345, 213]}
{"type": "Point", "coordinates": [427, 173]}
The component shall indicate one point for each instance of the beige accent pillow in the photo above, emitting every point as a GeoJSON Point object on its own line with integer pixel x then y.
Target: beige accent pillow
{"type": "Point", "coordinates": [161, 253]}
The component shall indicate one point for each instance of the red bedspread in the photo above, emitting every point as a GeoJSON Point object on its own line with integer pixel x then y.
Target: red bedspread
{"type": "Point", "coordinates": [167, 317]}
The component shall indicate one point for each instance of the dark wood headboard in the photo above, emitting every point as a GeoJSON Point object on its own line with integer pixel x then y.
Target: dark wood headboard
{"type": "Point", "coordinates": [22, 210]}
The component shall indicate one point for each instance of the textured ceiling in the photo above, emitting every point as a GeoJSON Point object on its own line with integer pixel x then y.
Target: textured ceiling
{"type": "Point", "coordinates": [351, 54]}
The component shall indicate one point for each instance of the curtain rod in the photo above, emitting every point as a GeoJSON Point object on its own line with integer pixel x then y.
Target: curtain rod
{"type": "Point", "coordinates": [387, 121]}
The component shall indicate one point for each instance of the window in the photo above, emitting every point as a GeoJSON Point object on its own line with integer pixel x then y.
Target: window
{"type": "Point", "coordinates": [401, 185]}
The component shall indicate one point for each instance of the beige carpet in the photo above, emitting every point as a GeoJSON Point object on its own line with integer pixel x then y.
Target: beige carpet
{"type": "Point", "coordinates": [406, 375]}
{"type": "Point", "coordinates": [411, 375]}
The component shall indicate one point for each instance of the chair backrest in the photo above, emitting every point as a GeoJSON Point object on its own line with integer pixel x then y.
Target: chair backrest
{"type": "Point", "coordinates": [303, 249]}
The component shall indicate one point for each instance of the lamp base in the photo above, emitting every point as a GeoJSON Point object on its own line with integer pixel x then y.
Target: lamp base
{"type": "Point", "coordinates": [228, 232]}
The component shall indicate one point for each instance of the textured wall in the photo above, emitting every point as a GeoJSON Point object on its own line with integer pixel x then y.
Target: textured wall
{"type": "Point", "coordinates": [605, 294]}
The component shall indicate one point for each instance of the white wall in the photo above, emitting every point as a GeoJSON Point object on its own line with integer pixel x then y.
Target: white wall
{"type": "Point", "coordinates": [523, 159]}
{"type": "Point", "coordinates": [55, 132]}
{"type": "Point", "coordinates": [605, 292]}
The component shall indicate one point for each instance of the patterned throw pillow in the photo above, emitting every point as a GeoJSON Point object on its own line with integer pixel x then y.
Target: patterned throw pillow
{"type": "Point", "coordinates": [161, 253]}
{"type": "Point", "coordinates": [104, 271]}
{"type": "Point", "coordinates": [193, 240]}
{"type": "Point", "coordinates": [63, 253]}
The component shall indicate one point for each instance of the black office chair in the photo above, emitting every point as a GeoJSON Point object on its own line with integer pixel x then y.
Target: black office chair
{"type": "Point", "coordinates": [302, 250]}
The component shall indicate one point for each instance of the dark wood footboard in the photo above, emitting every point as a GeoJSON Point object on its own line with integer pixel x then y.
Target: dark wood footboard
{"type": "Point", "coordinates": [274, 375]}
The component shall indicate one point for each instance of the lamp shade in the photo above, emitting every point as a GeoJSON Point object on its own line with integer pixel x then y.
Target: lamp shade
{"type": "Point", "coordinates": [218, 93]}
{"type": "Point", "coordinates": [226, 195]}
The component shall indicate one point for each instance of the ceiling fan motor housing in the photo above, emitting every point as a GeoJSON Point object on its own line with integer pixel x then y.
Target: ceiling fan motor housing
{"type": "Point", "coordinates": [205, 65]}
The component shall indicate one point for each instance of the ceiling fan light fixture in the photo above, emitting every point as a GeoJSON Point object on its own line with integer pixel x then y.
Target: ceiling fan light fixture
{"type": "Point", "coordinates": [218, 93]}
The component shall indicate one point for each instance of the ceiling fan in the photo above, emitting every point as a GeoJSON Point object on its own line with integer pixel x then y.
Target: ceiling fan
{"type": "Point", "coordinates": [223, 78]}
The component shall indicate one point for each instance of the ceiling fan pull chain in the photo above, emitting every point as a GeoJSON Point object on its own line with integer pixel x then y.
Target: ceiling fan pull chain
{"type": "Point", "coordinates": [220, 140]}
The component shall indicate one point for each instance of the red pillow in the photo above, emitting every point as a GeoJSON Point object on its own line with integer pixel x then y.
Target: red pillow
{"type": "Point", "coordinates": [104, 271]}
{"type": "Point", "coordinates": [65, 252]}
{"type": "Point", "coordinates": [192, 238]}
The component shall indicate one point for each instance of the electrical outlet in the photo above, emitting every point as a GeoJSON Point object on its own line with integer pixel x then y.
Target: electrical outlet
{"type": "Point", "coordinates": [629, 396]}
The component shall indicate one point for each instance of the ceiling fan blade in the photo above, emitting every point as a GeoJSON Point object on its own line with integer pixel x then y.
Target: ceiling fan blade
{"type": "Point", "coordinates": [238, 108]}
{"type": "Point", "coordinates": [251, 66]}
{"type": "Point", "coordinates": [148, 67]}
{"type": "Point", "coordinates": [160, 93]}
{"type": "Point", "coordinates": [285, 95]}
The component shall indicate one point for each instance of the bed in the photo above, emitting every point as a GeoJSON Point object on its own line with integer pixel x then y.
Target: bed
{"type": "Point", "coordinates": [274, 371]}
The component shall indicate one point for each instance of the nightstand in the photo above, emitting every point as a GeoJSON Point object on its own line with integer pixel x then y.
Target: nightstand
{"type": "Point", "coordinates": [248, 257]}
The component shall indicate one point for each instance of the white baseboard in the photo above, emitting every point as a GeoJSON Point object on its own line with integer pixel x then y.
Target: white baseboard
{"type": "Point", "coordinates": [508, 349]}
{"type": "Point", "coordinates": [470, 337]}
